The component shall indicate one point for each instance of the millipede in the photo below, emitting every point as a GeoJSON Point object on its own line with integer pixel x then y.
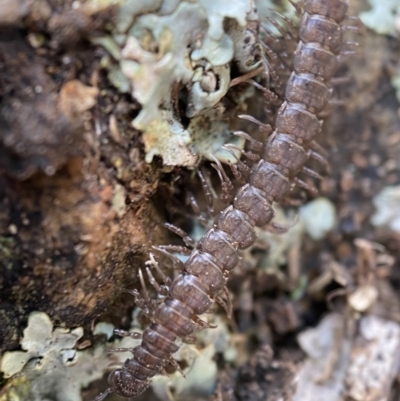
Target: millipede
{"type": "Point", "coordinates": [282, 157]}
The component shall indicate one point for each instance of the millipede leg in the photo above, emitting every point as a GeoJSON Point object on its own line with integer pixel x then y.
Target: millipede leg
{"type": "Point", "coordinates": [132, 350]}
{"type": "Point", "coordinates": [239, 168]}
{"type": "Point", "coordinates": [101, 396]}
{"type": "Point", "coordinates": [207, 192]}
{"type": "Point", "coordinates": [350, 45]}
{"type": "Point", "coordinates": [318, 148]}
{"type": "Point", "coordinates": [345, 55]}
{"type": "Point", "coordinates": [274, 60]}
{"type": "Point", "coordinates": [153, 262]}
{"type": "Point", "coordinates": [226, 304]}
{"type": "Point", "coordinates": [311, 173]}
{"type": "Point", "coordinates": [235, 171]}
{"type": "Point", "coordinates": [175, 364]}
{"type": "Point", "coordinates": [196, 209]}
{"type": "Point", "coordinates": [132, 334]}
{"type": "Point", "coordinates": [246, 76]}
{"type": "Point", "coordinates": [177, 263]}
{"type": "Point", "coordinates": [317, 156]}
{"type": "Point", "coordinates": [250, 155]}
{"type": "Point", "coordinates": [359, 29]}
{"type": "Point", "coordinates": [161, 289]}
{"type": "Point", "coordinates": [226, 183]}
{"type": "Point", "coordinates": [279, 228]}
{"type": "Point", "coordinates": [298, 6]}
{"type": "Point", "coordinates": [340, 80]}
{"type": "Point", "coordinates": [149, 304]}
{"type": "Point", "coordinates": [189, 340]}
{"type": "Point", "coordinates": [139, 300]}
{"type": "Point", "coordinates": [336, 102]}
{"type": "Point", "coordinates": [283, 60]}
{"type": "Point", "coordinates": [204, 325]}
{"type": "Point", "coordinates": [270, 96]}
{"type": "Point", "coordinates": [262, 126]}
{"type": "Point", "coordinates": [270, 34]}
{"type": "Point", "coordinates": [308, 187]}
{"type": "Point", "coordinates": [181, 233]}
{"type": "Point", "coordinates": [282, 31]}
{"type": "Point", "coordinates": [292, 30]}
{"type": "Point", "coordinates": [177, 248]}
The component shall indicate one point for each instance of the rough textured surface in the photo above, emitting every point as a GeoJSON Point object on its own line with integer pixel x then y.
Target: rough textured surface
{"type": "Point", "coordinates": [73, 223]}
{"type": "Point", "coordinates": [65, 250]}
{"type": "Point", "coordinates": [36, 132]}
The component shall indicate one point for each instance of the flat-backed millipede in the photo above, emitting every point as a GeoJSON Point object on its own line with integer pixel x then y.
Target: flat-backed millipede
{"type": "Point", "coordinates": [283, 156]}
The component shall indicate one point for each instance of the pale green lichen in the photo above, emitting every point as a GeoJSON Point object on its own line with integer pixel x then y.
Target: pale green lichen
{"type": "Point", "coordinates": [162, 46]}
{"type": "Point", "coordinates": [168, 138]}
{"type": "Point", "coordinates": [383, 17]}
{"type": "Point", "coordinates": [318, 217]}
{"type": "Point", "coordinates": [50, 368]}
{"type": "Point", "coordinates": [387, 204]}
{"type": "Point", "coordinates": [209, 133]}
{"type": "Point", "coordinates": [217, 11]}
{"type": "Point", "coordinates": [204, 137]}
{"type": "Point", "coordinates": [154, 73]}
{"type": "Point", "coordinates": [202, 97]}
{"type": "Point", "coordinates": [104, 328]}
{"type": "Point", "coordinates": [320, 343]}
{"type": "Point", "coordinates": [40, 341]}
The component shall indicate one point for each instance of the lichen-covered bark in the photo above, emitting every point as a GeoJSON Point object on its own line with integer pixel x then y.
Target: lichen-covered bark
{"type": "Point", "coordinates": [63, 248]}
{"type": "Point", "coordinates": [75, 216]}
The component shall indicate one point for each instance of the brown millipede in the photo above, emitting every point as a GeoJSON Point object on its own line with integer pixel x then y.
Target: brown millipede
{"type": "Point", "coordinates": [270, 179]}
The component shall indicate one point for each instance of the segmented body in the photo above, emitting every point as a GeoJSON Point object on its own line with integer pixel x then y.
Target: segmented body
{"type": "Point", "coordinates": [283, 155]}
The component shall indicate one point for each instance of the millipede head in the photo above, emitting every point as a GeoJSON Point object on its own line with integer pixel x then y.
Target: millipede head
{"type": "Point", "coordinates": [124, 384]}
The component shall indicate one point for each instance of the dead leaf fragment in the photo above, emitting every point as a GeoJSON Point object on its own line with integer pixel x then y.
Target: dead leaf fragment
{"type": "Point", "coordinates": [75, 98]}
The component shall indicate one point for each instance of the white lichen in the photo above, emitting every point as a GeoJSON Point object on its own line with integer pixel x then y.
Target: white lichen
{"type": "Point", "coordinates": [323, 374]}
{"type": "Point", "coordinates": [374, 359]}
{"type": "Point", "coordinates": [361, 367]}
{"type": "Point", "coordinates": [387, 204]}
{"type": "Point", "coordinates": [164, 46]}
{"type": "Point", "coordinates": [209, 133]}
{"type": "Point", "coordinates": [318, 217]}
{"type": "Point", "coordinates": [104, 328]}
{"type": "Point", "coordinates": [167, 137]}
{"type": "Point", "coordinates": [41, 342]}
{"type": "Point", "coordinates": [50, 368]}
